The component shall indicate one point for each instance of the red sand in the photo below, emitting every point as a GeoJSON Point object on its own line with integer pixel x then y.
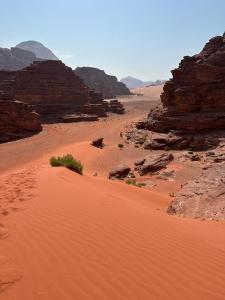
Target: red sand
{"type": "Point", "coordinates": [85, 237]}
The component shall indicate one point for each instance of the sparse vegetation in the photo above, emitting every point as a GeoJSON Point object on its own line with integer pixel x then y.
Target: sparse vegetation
{"type": "Point", "coordinates": [134, 183]}
{"type": "Point", "coordinates": [67, 161]}
{"type": "Point", "coordinates": [120, 146]}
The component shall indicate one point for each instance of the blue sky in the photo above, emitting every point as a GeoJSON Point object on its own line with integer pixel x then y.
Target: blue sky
{"type": "Point", "coordinates": [144, 39]}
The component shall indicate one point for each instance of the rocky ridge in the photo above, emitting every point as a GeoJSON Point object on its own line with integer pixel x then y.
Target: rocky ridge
{"type": "Point", "coordinates": [101, 82]}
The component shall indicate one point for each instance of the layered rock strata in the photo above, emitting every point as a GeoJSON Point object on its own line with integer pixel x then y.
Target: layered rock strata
{"type": "Point", "coordinates": [101, 82]}
{"type": "Point", "coordinates": [17, 120]}
{"type": "Point", "coordinates": [193, 100]}
{"type": "Point", "coordinates": [53, 90]}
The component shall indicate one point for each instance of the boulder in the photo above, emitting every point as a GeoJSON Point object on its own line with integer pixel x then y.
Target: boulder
{"type": "Point", "coordinates": [98, 142]}
{"type": "Point", "coordinates": [153, 163]}
{"type": "Point", "coordinates": [119, 172]}
{"type": "Point", "coordinates": [202, 197]}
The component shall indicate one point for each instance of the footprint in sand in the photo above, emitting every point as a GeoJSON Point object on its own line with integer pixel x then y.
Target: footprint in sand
{"type": "Point", "coordinates": [9, 273]}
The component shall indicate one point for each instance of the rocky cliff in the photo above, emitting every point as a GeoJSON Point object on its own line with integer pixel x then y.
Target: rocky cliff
{"type": "Point", "coordinates": [101, 82]}
{"type": "Point", "coordinates": [193, 99]}
{"type": "Point", "coordinates": [17, 120]}
{"type": "Point", "coordinates": [53, 90]}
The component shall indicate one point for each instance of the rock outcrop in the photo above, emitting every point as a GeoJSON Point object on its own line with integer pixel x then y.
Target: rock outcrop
{"type": "Point", "coordinates": [15, 58]}
{"type": "Point", "coordinates": [115, 107]}
{"type": "Point", "coordinates": [119, 172]}
{"type": "Point", "coordinates": [193, 100]}
{"type": "Point", "coordinates": [53, 90]}
{"type": "Point", "coordinates": [153, 163]}
{"type": "Point", "coordinates": [38, 49]}
{"type": "Point", "coordinates": [101, 82]}
{"type": "Point", "coordinates": [202, 197]}
{"type": "Point", "coordinates": [193, 107]}
{"type": "Point", "coordinates": [17, 120]}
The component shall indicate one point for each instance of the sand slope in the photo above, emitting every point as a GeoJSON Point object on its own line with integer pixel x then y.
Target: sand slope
{"type": "Point", "coordinates": [88, 238]}
{"type": "Point", "coordinates": [64, 236]}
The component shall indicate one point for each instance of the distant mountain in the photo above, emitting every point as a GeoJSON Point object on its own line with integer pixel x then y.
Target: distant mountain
{"type": "Point", "coordinates": [101, 82]}
{"type": "Point", "coordinates": [15, 58]}
{"type": "Point", "coordinates": [133, 83]}
{"type": "Point", "coordinates": [38, 49]}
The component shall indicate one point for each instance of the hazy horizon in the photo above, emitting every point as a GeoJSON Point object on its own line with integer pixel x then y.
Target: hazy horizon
{"type": "Point", "coordinates": [143, 39]}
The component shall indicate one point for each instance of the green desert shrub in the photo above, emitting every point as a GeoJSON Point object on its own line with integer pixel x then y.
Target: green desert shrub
{"type": "Point", "coordinates": [67, 161]}
{"type": "Point", "coordinates": [120, 146]}
{"type": "Point", "coordinates": [134, 183]}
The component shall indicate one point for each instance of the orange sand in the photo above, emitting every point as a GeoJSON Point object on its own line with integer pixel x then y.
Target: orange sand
{"type": "Point", "coordinates": [85, 237]}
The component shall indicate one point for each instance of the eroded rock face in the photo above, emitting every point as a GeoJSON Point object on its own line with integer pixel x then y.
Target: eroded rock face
{"type": "Point", "coordinates": [115, 107]}
{"type": "Point", "coordinates": [101, 82]}
{"type": "Point", "coordinates": [17, 120]}
{"type": "Point", "coordinates": [153, 163]}
{"type": "Point", "coordinates": [194, 98]}
{"type": "Point", "coordinates": [203, 197]}
{"type": "Point", "coordinates": [52, 89]}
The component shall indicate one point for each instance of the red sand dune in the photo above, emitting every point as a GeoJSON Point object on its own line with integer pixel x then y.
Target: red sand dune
{"type": "Point", "coordinates": [85, 237]}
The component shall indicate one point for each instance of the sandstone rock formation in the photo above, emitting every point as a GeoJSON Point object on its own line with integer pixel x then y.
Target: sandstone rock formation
{"type": "Point", "coordinates": [53, 90]}
{"type": "Point", "coordinates": [101, 82]}
{"type": "Point", "coordinates": [15, 58]}
{"type": "Point", "coordinates": [153, 163]}
{"type": "Point", "coordinates": [17, 120]}
{"type": "Point", "coordinates": [115, 107]}
{"type": "Point", "coordinates": [193, 99]}
{"type": "Point", "coordinates": [119, 172]}
{"type": "Point", "coordinates": [202, 197]}
{"type": "Point", "coordinates": [38, 49]}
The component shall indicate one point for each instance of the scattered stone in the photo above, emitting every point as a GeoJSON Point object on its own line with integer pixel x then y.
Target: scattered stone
{"type": "Point", "coordinates": [98, 143]}
{"type": "Point", "coordinates": [167, 175]}
{"type": "Point", "coordinates": [202, 197]}
{"type": "Point", "coordinates": [119, 172]}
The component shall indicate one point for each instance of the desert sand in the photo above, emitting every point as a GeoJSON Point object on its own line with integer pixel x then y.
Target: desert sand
{"type": "Point", "coordinates": [66, 236]}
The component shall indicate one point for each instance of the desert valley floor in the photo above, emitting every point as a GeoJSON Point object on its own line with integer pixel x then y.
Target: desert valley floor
{"type": "Point", "coordinates": [66, 236]}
